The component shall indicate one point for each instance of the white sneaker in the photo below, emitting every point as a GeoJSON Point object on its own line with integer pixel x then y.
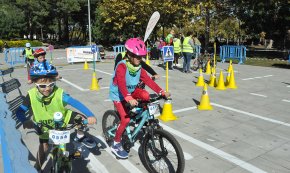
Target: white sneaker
{"type": "Point", "coordinates": [25, 66]}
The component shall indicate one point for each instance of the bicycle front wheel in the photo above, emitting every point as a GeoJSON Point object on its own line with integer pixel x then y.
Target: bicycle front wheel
{"type": "Point", "coordinates": [162, 153]}
{"type": "Point", "coordinates": [110, 123]}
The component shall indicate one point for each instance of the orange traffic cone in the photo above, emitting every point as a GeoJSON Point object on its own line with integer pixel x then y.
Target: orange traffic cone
{"type": "Point", "coordinates": [86, 66]}
{"type": "Point", "coordinates": [232, 82]}
{"type": "Point", "coordinates": [221, 83]}
{"type": "Point", "coordinates": [200, 80]}
{"type": "Point", "coordinates": [204, 101]}
{"type": "Point", "coordinates": [208, 68]}
{"type": "Point", "coordinates": [167, 114]}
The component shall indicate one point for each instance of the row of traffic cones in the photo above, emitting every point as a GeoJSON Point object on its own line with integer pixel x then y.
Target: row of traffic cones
{"type": "Point", "coordinates": [220, 85]}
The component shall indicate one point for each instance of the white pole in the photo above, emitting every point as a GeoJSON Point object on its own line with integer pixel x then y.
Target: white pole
{"type": "Point", "coordinates": [89, 16]}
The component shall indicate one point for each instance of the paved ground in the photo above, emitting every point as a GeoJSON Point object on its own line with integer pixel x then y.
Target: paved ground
{"type": "Point", "coordinates": [248, 130]}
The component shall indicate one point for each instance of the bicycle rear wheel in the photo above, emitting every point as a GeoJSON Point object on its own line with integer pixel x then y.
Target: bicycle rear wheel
{"type": "Point", "coordinates": [110, 123]}
{"type": "Point", "coordinates": [162, 153]}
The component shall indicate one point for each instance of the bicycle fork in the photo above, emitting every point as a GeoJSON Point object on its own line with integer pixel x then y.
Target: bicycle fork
{"type": "Point", "coordinates": [157, 153]}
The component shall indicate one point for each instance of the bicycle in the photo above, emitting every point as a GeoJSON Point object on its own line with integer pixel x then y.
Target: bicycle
{"type": "Point", "coordinates": [202, 60]}
{"type": "Point", "coordinates": [157, 145]}
{"type": "Point", "coordinates": [59, 136]}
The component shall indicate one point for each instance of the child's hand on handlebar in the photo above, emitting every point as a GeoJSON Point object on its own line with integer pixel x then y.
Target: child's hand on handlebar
{"type": "Point", "coordinates": [133, 102]}
{"type": "Point", "coordinates": [166, 94]}
{"type": "Point", "coordinates": [156, 76]}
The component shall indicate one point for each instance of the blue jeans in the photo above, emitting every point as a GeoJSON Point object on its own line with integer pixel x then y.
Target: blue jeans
{"type": "Point", "coordinates": [186, 61]}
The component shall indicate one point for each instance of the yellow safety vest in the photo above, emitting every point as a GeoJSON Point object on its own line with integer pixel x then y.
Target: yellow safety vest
{"type": "Point", "coordinates": [28, 53]}
{"type": "Point", "coordinates": [177, 45]}
{"type": "Point", "coordinates": [186, 46]}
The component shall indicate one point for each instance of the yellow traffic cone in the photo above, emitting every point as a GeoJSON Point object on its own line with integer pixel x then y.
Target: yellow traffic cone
{"type": "Point", "coordinates": [230, 68]}
{"type": "Point", "coordinates": [228, 78]}
{"type": "Point", "coordinates": [232, 82]}
{"type": "Point", "coordinates": [86, 66]}
{"type": "Point", "coordinates": [221, 83]}
{"type": "Point", "coordinates": [147, 59]}
{"type": "Point", "coordinates": [95, 85]}
{"type": "Point", "coordinates": [204, 101]}
{"type": "Point", "coordinates": [200, 80]}
{"type": "Point", "coordinates": [212, 81]}
{"type": "Point", "coordinates": [208, 68]}
{"type": "Point", "coordinates": [167, 114]}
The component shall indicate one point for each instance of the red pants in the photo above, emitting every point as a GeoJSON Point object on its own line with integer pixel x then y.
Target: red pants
{"type": "Point", "coordinates": [139, 94]}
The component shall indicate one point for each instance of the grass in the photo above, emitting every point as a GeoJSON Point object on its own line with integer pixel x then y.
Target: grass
{"type": "Point", "coordinates": [264, 62]}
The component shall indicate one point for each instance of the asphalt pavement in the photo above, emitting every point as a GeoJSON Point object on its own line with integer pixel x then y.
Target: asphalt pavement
{"type": "Point", "coordinates": [247, 130]}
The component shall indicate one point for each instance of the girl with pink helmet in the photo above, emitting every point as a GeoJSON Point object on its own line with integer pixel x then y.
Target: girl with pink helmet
{"type": "Point", "coordinates": [123, 88]}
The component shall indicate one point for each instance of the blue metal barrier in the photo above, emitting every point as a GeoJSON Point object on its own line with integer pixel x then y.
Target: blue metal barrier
{"type": "Point", "coordinates": [14, 153]}
{"type": "Point", "coordinates": [118, 49]}
{"type": "Point", "coordinates": [14, 55]}
{"type": "Point", "coordinates": [233, 52]}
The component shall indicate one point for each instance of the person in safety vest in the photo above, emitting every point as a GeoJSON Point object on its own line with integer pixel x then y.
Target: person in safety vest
{"type": "Point", "coordinates": [177, 49]}
{"type": "Point", "coordinates": [123, 88]}
{"type": "Point", "coordinates": [169, 42]}
{"type": "Point", "coordinates": [187, 51]}
{"type": "Point", "coordinates": [43, 101]}
{"type": "Point", "coordinates": [29, 59]}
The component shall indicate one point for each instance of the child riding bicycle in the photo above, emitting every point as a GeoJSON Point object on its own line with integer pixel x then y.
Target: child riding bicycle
{"type": "Point", "coordinates": [123, 88]}
{"type": "Point", "coordinates": [44, 100]}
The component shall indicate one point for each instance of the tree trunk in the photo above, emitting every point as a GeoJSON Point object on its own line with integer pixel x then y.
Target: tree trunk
{"type": "Point", "coordinates": [59, 30]}
{"type": "Point", "coordinates": [66, 30]}
{"type": "Point", "coordinates": [207, 28]}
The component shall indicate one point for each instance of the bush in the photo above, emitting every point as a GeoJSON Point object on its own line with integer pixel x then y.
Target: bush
{"type": "Point", "coordinates": [21, 43]}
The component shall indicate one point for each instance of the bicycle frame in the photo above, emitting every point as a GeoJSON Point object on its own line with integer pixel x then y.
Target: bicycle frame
{"type": "Point", "coordinates": [144, 116]}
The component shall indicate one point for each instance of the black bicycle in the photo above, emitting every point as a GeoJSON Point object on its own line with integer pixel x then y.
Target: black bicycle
{"type": "Point", "coordinates": [59, 136]}
{"type": "Point", "coordinates": [160, 151]}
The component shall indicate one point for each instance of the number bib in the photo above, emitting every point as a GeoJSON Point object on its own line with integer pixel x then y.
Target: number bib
{"type": "Point", "coordinates": [152, 108]}
{"type": "Point", "coordinates": [59, 137]}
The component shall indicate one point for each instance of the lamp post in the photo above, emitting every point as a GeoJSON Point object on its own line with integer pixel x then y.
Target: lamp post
{"type": "Point", "coordinates": [89, 18]}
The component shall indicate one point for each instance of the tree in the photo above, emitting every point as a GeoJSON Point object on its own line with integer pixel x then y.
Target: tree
{"type": "Point", "coordinates": [11, 21]}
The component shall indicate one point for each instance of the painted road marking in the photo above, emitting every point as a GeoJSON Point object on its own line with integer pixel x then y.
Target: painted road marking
{"type": "Point", "coordinates": [286, 100]}
{"type": "Point", "coordinates": [179, 110]}
{"type": "Point", "coordinates": [70, 69]}
{"type": "Point", "coordinates": [260, 95]}
{"type": "Point", "coordinates": [214, 150]}
{"type": "Point", "coordinates": [125, 163]}
{"type": "Point", "coordinates": [257, 77]}
{"type": "Point", "coordinates": [78, 87]}
{"type": "Point", "coordinates": [74, 85]}
{"type": "Point", "coordinates": [96, 165]}
{"type": "Point", "coordinates": [252, 115]}
{"type": "Point", "coordinates": [107, 100]}
{"type": "Point", "coordinates": [288, 86]}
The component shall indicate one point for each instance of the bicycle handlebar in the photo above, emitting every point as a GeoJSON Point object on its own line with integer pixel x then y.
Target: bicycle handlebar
{"type": "Point", "coordinates": [38, 126]}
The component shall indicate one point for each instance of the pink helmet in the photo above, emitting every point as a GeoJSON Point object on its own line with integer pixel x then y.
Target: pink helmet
{"type": "Point", "coordinates": [136, 46]}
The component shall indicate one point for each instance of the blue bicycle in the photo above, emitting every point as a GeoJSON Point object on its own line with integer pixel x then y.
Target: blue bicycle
{"type": "Point", "coordinates": [160, 151]}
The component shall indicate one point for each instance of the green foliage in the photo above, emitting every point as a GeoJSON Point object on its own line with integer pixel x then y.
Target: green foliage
{"type": "Point", "coordinates": [11, 21]}
{"type": "Point", "coordinates": [21, 43]}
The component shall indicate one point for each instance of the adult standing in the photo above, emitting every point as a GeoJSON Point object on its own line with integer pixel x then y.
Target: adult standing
{"type": "Point", "coordinates": [29, 59]}
{"type": "Point", "coordinates": [187, 50]}
{"type": "Point", "coordinates": [177, 49]}
{"type": "Point", "coordinates": [169, 42]}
